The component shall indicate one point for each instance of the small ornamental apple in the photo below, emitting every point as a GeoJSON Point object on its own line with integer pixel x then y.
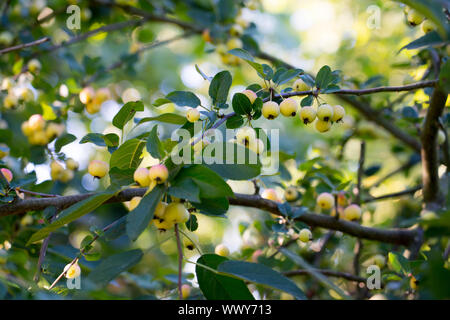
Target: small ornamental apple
{"type": "Point", "coordinates": [158, 173]}
{"type": "Point", "coordinates": [379, 260]}
{"type": "Point", "coordinates": [54, 130]}
{"type": "Point", "coordinates": [72, 271]}
{"type": "Point", "coordinates": [141, 176]}
{"type": "Point", "coordinates": [307, 114]}
{"type": "Point", "coordinates": [134, 202]}
{"type": "Point", "coordinates": [325, 200]}
{"type": "Point", "coordinates": [322, 126]}
{"type": "Point", "coordinates": [34, 66]}
{"type": "Point", "coordinates": [325, 112]}
{"type": "Point", "coordinates": [428, 26]}
{"type": "Point", "coordinates": [185, 291]}
{"type": "Point", "coordinates": [414, 17]}
{"type": "Point", "coordinates": [55, 170]}
{"type": "Point", "coordinates": [236, 30]}
{"type": "Point", "coordinates": [305, 235]}
{"type": "Point", "coordinates": [4, 150]}
{"type": "Point", "coordinates": [193, 115]}
{"type": "Point", "coordinates": [257, 146]}
{"type": "Point", "coordinates": [38, 138]}
{"type": "Point", "coordinates": [413, 283]}
{"type": "Point", "coordinates": [300, 85]}
{"type": "Point", "coordinates": [36, 122]}
{"type": "Point", "coordinates": [290, 194]}
{"type": "Point", "coordinates": [86, 95]}
{"type": "Point", "coordinates": [270, 194]}
{"type": "Point", "coordinates": [221, 250]}
{"type": "Point", "coordinates": [338, 113]}
{"type": "Point", "coordinates": [10, 101]}
{"type": "Point", "coordinates": [66, 175]}
{"type": "Point", "coordinates": [176, 213]}
{"type": "Point", "coordinates": [245, 135]}
{"type": "Point", "coordinates": [189, 243]}
{"type": "Point", "coordinates": [160, 210]}
{"type": "Point", "coordinates": [288, 107]}
{"type": "Point", "coordinates": [71, 164]}
{"type": "Point", "coordinates": [234, 43]}
{"type": "Point", "coordinates": [270, 110]}
{"type": "Point", "coordinates": [251, 95]}
{"type": "Point", "coordinates": [441, 137]}
{"type": "Point", "coordinates": [26, 130]}
{"type": "Point", "coordinates": [98, 168]}
{"type": "Point", "coordinates": [352, 212]}
{"type": "Point", "coordinates": [7, 174]}
{"type": "Point", "coordinates": [93, 107]}
{"type": "Point", "coordinates": [163, 225]}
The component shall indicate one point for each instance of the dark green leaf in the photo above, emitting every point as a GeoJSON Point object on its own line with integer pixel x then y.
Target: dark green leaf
{"type": "Point", "coordinates": [184, 99]}
{"type": "Point", "coordinates": [154, 145]}
{"type": "Point", "coordinates": [126, 113]}
{"type": "Point", "coordinates": [64, 140]}
{"type": "Point", "coordinates": [219, 87]}
{"type": "Point", "coordinates": [128, 155]}
{"type": "Point", "coordinates": [241, 104]}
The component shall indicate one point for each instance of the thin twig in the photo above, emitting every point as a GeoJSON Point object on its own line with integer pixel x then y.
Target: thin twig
{"type": "Point", "coordinates": [24, 45]}
{"type": "Point", "coordinates": [180, 261]}
{"type": "Point", "coordinates": [393, 195]}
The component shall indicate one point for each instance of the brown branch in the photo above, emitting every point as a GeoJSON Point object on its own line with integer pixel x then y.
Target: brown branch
{"type": "Point", "coordinates": [393, 195]}
{"type": "Point", "coordinates": [429, 150]}
{"type": "Point", "coordinates": [24, 45]}
{"type": "Point", "coordinates": [396, 236]}
{"type": "Point", "coordinates": [180, 261]}
{"type": "Point", "coordinates": [330, 273]}
{"type": "Point", "coordinates": [402, 168]}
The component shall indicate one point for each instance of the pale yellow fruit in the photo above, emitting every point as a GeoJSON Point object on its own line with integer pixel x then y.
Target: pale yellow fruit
{"type": "Point", "coordinates": [190, 243]}
{"type": "Point", "coordinates": [441, 137]}
{"type": "Point", "coordinates": [270, 110]}
{"type": "Point", "coordinates": [251, 95]}
{"type": "Point", "coordinates": [160, 210]}
{"type": "Point", "coordinates": [176, 213]}
{"type": "Point", "coordinates": [185, 291]}
{"type": "Point", "coordinates": [26, 130]}
{"type": "Point", "coordinates": [245, 135]}
{"type": "Point", "coordinates": [288, 107]}
{"type": "Point", "coordinates": [325, 112]}
{"type": "Point", "coordinates": [286, 296]}
{"type": "Point", "coordinates": [10, 101]}
{"type": "Point", "coordinates": [7, 174]}
{"type": "Point", "coordinates": [221, 49]}
{"type": "Point", "coordinates": [66, 176]}
{"type": "Point", "coordinates": [413, 283]}
{"type": "Point", "coordinates": [257, 146]}
{"type": "Point", "coordinates": [236, 30]}
{"type": "Point", "coordinates": [71, 164]}
{"type": "Point", "coordinates": [102, 94]}
{"type": "Point", "coordinates": [305, 235]}
{"type": "Point", "coordinates": [87, 95]}
{"type": "Point", "coordinates": [98, 168]}
{"type": "Point", "coordinates": [234, 43]}
{"type": "Point", "coordinates": [414, 17]}
{"type": "Point", "coordinates": [323, 126]}
{"type": "Point", "coordinates": [325, 201]}
{"type": "Point", "coordinates": [290, 194]}
{"type": "Point", "coordinates": [6, 38]}
{"type": "Point", "coordinates": [162, 224]}
{"type": "Point", "coordinates": [338, 113]}
{"type": "Point", "coordinates": [222, 250]}
{"type": "Point", "coordinates": [158, 173]}
{"type": "Point", "coordinates": [54, 130]}
{"type": "Point", "coordinates": [307, 114]}
{"type": "Point", "coordinates": [4, 150]}
{"type": "Point", "coordinates": [56, 170]}
{"type": "Point", "coordinates": [26, 94]}
{"type": "Point", "coordinates": [72, 271]}
{"type": "Point", "coordinates": [379, 260]}
{"type": "Point", "coordinates": [193, 115]}
{"type": "Point", "coordinates": [141, 177]}
{"type": "Point", "coordinates": [352, 212]}
{"type": "Point", "coordinates": [34, 65]}
{"type": "Point", "coordinates": [93, 107]}
{"type": "Point", "coordinates": [134, 202]}
{"type": "Point", "coordinates": [428, 26]}
{"type": "Point", "coordinates": [36, 122]}
{"type": "Point", "coordinates": [38, 138]}
{"type": "Point", "coordinates": [300, 85]}
{"type": "Point", "coordinates": [270, 194]}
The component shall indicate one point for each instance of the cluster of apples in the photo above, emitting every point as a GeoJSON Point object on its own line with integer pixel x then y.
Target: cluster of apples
{"type": "Point", "coordinates": [351, 212]}
{"type": "Point", "coordinates": [17, 94]}
{"type": "Point", "coordinates": [58, 172]}
{"type": "Point", "coordinates": [93, 99]}
{"type": "Point", "coordinates": [415, 18]}
{"type": "Point", "coordinates": [39, 132]}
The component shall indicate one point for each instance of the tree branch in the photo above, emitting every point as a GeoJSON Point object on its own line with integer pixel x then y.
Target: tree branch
{"type": "Point", "coordinates": [24, 45]}
{"type": "Point", "coordinates": [330, 273]}
{"type": "Point", "coordinates": [393, 195]}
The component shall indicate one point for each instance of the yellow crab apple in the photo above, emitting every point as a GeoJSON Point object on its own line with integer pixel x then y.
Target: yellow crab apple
{"type": "Point", "coordinates": [193, 115]}
{"type": "Point", "coordinates": [428, 26]}
{"type": "Point", "coordinates": [93, 107]}
{"type": "Point", "coordinates": [338, 113]}
{"type": "Point", "coordinates": [251, 95]}
{"type": "Point", "coordinates": [245, 135]}
{"type": "Point", "coordinates": [141, 176]}
{"type": "Point", "coordinates": [54, 130]}
{"type": "Point", "coordinates": [185, 291]}
{"type": "Point", "coordinates": [98, 168]}
{"type": "Point", "coordinates": [26, 130]}
{"type": "Point", "coordinates": [71, 164]}
{"type": "Point", "coordinates": [441, 137]}
{"type": "Point", "coordinates": [290, 194]}
{"type": "Point", "coordinates": [55, 170]}
{"type": "Point", "coordinates": [163, 225]}
{"type": "Point", "coordinates": [72, 271]}
{"type": "Point", "coordinates": [221, 250]}
{"type": "Point", "coordinates": [325, 112]}
{"type": "Point", "coordinates": [25, 94]}
{"type": "Point", "coordinates": [322, 126]}
{"type": "Point", "coordinates": [38, 138]}
{"type": "Point", "coordinates": [305, 235]}
{"type": "Point", "coordinates": [86, 95]}
{"type": "Point", "coordinates": [36, 122]}
{"type": "Point", "coordinates": [160, 210]}
{"type": "Point", "coordinates": [66, 175]}
{"type": "Point", "coordinates": [10, 101]}
{"type": "Point", "coordinates": [158, 173]}
{"type": "Point", "coordinates": [307, 114]}
{"type": "Point", "coordinates": [234, 43]}
{"type": "Point", "coordinates": [34, 65]}
{"type": "Point", "coordinates": [102, 94]}
{"type": "Point", "coordinates": [352, 212]}
{"type": "Point", "coordinates": [379, 260]}
{"type": "Point", "coordinates": [325, 200]}
{"type": "Point", "coordinates": [270, 110]}
{"type": "Point", "coordinates": [189, 243]}
{"type": "Point", "coordinates": [300, 85]}
{"type": "Point", "coordinates": [7, 174]}
{"type": "Point", "coordinates": [270, 194]}
{"type": "Point", "coordinates": [176, 213]}
{"type": "Point", "coordinates": [256, 145]}
{"type": "Point", "coordinates": [236, 30]}
{"type": "Point", "coordinates": [414, 18]}
{"type": "Point", "coordinates": [288, 107]}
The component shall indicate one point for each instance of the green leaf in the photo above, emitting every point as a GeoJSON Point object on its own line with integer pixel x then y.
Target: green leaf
{"type": "Point", "coordinates": [112, 266]}
{"type": "Point", "coordinates": [128, 155]}
{"type": "Point", "coordinates": [234, 122]}
{"type": "Point", "coordinates": [110, 139]}
{"type": "Point", "coordinates": [307, 101]}
{"type": "Point", "coordinates": [287, 76]}
{"type": "Point", "coordinates": [219, 87]}
{"type": "Point", "coordinates": [241, 104]}
{"type": "Point", "coordinates": [428, 40]}
{"type": "Point", "coordinates": [241, 53]}
{"type": "Point", "coordinates": [139, 218]}
{"type": "Point", "coordinates": [72, 213]}
{"type": "Point", "coordinates": [261, 274]}
{"type": "Point", "coordinates": [444, 76]}
{"type": "Point", "coordinates": [212, 206]}
{"type": "Point", "coordinates": [211, 185]}
{"type": "Point", "coordinates": [192, 223]}
{"type": "Point", "coordinates": [126, 113]}
{"type": "Point", "coordinates": [219, 287]}
{"type": "Point", "coordinates": [64, 140]}
{"type": "Point", "coordinates": [398, 263]}
{"type": "Point", "coordinates": [121, 177]}
{"type": "Point", "coordinates": [184, 99]}
{"type": "Point", "coordinates": [154, 145]}
{"type": "Point", "coordinates": [161, 101]}
{"type": "Point", "coordinates": [324, 77]}
{"type": "Point", "coordinates": [172, 118]}
{"type": "Point", "coordinates": [185, 189]}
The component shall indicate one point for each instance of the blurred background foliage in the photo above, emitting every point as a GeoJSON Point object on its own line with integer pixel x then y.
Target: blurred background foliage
{"type": "Point", "coordinates": [361, 38]}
